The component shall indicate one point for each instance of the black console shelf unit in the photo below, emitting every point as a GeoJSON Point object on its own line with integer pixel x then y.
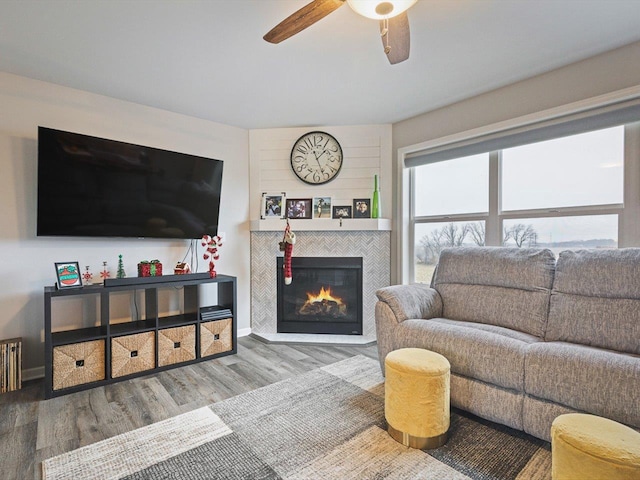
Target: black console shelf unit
{"type": "Point", "coordinates": [206, 339]}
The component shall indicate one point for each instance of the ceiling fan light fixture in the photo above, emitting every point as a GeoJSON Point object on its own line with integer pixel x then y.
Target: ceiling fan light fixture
{"type": "Point", "coordinates": [380, 9]}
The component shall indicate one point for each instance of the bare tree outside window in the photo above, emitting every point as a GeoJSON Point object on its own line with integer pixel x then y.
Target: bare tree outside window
{"type": "Point", "coordinates": [455, 234]}
{"type": "Point", "coordinates": [450, 235]}
{"type": "Point", "coordinates": [437, 236]}
{"type": "Point", "coordinates": [521, 234]}
{"type": "Point", "coordinates": [563, 233]}
{"type": "Point", "coordinates": [477, 233]}
{"type": "Point", "coordinates": [429, 247]}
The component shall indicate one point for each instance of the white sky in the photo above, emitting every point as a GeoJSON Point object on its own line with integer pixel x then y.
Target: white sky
{"type": "Point", "coordinates": [584, 169]}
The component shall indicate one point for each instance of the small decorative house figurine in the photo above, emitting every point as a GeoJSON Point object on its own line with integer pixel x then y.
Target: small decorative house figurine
{"type": "Point", "coordinates": [182, 268]}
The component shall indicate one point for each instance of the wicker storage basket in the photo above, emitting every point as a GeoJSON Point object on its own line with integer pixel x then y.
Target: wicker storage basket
{"type": "Point", "coordinates": [132, 354]}
{"type": "Point", "coordinates": [216, 337]}
{"type": "Point", "coordinates": [176, 345]}
{"type": "Point", "coordinates": [78, 363]}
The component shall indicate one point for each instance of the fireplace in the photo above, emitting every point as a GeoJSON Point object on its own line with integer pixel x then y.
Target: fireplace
{"type": "Point", "coordinates": [325, 296]}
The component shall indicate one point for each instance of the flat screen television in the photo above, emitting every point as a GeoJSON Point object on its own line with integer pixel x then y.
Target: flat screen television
{"type": "Point", "coordinates": [94, 187]}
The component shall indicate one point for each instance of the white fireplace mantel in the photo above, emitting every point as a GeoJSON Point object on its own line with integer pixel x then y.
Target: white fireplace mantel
{"type": "Point", "coordinates": [323, 225]}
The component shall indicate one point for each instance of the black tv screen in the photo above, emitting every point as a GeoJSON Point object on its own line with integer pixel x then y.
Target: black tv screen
{"type": "Point", "coordinates": [93, 187]}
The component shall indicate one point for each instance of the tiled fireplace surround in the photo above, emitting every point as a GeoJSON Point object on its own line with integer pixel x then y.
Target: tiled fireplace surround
{"type": "Point", "coordinates": [372, 246]}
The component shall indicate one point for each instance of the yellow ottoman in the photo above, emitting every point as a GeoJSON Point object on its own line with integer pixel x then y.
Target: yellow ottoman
{"type": "Point", "coordinates": [416, 397]}
{"type": "Point", "coordinates": [587, 447]}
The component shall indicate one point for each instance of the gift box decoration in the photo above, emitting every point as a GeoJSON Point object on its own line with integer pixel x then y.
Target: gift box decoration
{"type": "Point", "coordinates": [151, 268]}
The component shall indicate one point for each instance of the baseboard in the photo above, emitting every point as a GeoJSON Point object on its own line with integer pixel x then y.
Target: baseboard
{"type": "Point", "coordinates": [32, 373]}
{"type": "Point", "coordinates": [315, 339]}
{"type": "Point", "coordinates": [244, 332]}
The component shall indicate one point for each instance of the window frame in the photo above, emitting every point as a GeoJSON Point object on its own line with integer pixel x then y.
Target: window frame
{"type": "Point", "coordinates": [628, 211]}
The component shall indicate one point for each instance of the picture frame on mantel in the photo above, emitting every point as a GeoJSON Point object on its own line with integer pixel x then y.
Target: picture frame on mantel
{"type": "Point", "coordinates": [322, 207]}
{"type": "Point", "coordinates": [342, 211]}
{"type": "Point", "coordinates": [361, 208]}
{"type": "Point", "coordinates": [272, 205]}
{"type": "Point", "coordinates": [299, 208]}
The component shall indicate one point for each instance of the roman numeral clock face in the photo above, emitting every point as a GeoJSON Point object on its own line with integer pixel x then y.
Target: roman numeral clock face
{"type": "Point", "coordinates": [316, 158]}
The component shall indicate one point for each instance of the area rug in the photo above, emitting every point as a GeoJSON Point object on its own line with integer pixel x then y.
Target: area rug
{"type": "Point", "coordinates": [325, 424]}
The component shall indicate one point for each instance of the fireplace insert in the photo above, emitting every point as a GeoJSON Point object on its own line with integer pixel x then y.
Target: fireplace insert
{"type": "Point", "coordinates": [325, 296]}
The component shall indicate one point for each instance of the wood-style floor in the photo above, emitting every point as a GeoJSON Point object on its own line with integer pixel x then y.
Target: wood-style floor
{"type": "Point", "coordinates": [33, 429]}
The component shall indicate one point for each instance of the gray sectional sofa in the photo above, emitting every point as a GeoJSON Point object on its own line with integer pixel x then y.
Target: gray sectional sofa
{"type": "Point", "coordinates": [528, 337]}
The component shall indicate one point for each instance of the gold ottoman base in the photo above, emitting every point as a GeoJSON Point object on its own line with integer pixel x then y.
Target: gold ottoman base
{"type": "Point", "coordinates": [421, 443]}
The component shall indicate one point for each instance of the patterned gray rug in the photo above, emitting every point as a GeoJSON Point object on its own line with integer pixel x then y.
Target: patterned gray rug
{"type": "Point", "coordinates": [325, 424]}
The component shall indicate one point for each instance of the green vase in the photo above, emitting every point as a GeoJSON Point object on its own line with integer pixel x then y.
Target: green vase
{"type": "Point", "coordinates": [375, 202]}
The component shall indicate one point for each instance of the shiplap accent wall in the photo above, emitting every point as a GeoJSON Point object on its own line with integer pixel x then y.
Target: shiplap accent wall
{"type": "Point", "coordinates": [366, 150]}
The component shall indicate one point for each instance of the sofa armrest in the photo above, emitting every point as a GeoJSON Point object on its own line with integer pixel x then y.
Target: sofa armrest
{"type": "Point", "coordinates": [397, 304]}
{"type": "Point", "coordinates": [411, 301]}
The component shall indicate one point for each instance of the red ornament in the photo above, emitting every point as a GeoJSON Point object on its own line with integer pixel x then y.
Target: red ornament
{"type": "Point", "coordinates": [211, 251]}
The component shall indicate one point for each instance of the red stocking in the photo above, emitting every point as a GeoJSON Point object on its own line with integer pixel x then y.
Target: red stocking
{"type": "Point", "coordinates": [288, 241]}
{"type": "Point", "coordinates": [288, 274]}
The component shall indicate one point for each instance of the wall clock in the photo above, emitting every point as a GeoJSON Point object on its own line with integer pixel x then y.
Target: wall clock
{"type": "Point", "coordinates": [316, 158]}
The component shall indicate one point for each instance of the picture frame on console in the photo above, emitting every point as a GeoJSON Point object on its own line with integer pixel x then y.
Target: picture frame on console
{"type": "Point", "coordinates": [322, 207]}
{"type": "Point", "coordinates": [68, 275]}
{"type": "Point", "coordinates": [272, 205]}
{"type": "Point", "coordinates": [342, 211]}
{"type": "Point", "coordinates": [361, 208]}
{"type": "Point", "coordinates": [299, 208]}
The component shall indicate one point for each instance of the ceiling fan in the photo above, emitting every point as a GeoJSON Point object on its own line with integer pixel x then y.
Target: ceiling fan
{"type": "Point", "coordinates": [392, 14]}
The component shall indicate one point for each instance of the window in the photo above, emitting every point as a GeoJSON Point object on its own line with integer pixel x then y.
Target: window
{"type": "Point", "coordinates": [561, 194]}
{"type": "Point", "coordinates": [442, 190]}
{"type": "Point", "coordinates": [455, 186]}
{"type": "Point", "coordinates": [580, 170]}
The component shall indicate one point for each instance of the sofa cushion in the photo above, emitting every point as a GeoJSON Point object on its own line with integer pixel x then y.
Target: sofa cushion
{"type": "Point", "coordinates": [595, 299]}
{"type": "Point", "coordinates": [585, 378]}
{"type": "Point", "coordinates": [610, 273]}
{"type": "Point", "coordinates": [507, 287]}
{"type": "Point", "coordinates": [486, 352]}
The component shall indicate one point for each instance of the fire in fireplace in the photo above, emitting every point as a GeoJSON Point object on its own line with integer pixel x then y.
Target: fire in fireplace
{"type": "Point", "coordinates": [323, 303]}
{"type": "Point", "coordinates": [325, 296]}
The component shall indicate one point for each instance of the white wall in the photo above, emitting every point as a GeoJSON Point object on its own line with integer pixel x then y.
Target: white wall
{"type": "Point", "coordinates": [366, 150]}
{"type": "Point", "coordinates": [598, 75]}
{"type": "Point", "coordinates": [608, 72]}
{"type": "Point", "coordinates": [27, 261]}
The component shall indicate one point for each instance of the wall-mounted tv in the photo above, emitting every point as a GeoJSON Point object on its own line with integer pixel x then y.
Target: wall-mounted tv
{"type": "Point", "coordinates": [94, 187]}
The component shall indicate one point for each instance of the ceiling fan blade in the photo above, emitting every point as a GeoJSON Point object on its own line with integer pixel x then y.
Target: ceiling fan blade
{"type": "Point", "coordinates": [303, 18]}
{"type": "Point", "coordinates": [396, 38]}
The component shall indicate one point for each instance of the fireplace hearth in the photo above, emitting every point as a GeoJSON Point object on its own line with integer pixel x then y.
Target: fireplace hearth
{"type": "Point", "coordinates": [325, 296]}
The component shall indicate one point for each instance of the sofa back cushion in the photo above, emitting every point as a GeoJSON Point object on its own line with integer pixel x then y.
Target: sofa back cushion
{"type": "Point", "coordinates": [596, 299]}
{"type": "Point", "coordinates": [507, 287]}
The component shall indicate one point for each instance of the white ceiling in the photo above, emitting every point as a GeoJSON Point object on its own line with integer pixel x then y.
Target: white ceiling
{"type": "Point", "coordinates": [207, 59]}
